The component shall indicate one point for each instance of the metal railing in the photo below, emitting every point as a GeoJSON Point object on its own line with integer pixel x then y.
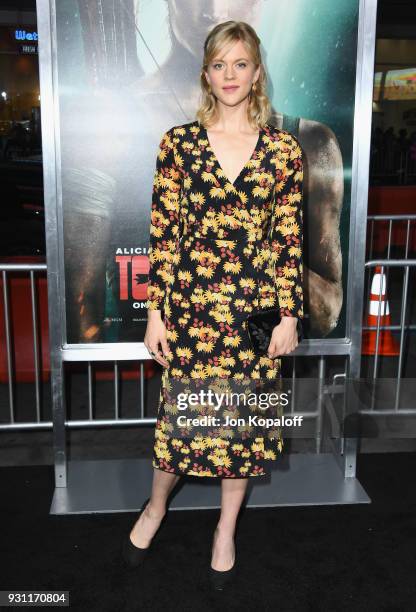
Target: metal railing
{"type": "Point", "coordinates": [91, 421]}
{"type": "Point", "coordinates": [404, 263]}
{"type": "Point", "coordinates": [392, 166]}
{"type": "Point", "coordinates": [405, 266]}
{"type": "Point", "coordinates": [117, 420]}
{"type": "Point", "coordinates": [32, 269]}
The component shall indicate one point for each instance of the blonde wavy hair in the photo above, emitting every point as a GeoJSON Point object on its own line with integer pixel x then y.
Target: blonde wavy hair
{"type": "Point", "coordinates": [259, 107]}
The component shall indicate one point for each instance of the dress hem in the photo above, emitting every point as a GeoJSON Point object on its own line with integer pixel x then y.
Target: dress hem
{"type": "Point", "coordinates": [157, 467]}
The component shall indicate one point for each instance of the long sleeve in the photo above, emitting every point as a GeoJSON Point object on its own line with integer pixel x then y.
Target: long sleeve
{"type": "Point", "coordinates": [287, 231]}
{"type": "Point", "coordinates": [165, 221]}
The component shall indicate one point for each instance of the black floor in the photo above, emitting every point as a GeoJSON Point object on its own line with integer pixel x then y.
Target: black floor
{"type": "Point", "coordinates": [319, 558]}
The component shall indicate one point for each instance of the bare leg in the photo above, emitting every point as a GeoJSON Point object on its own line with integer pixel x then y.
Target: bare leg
{"type": "Point", "coordinates": [149, 520]}
{"type": "Point", "coordinates": [223, 550]}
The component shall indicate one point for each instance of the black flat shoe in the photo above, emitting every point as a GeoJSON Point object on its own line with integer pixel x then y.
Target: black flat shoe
{"type": "Point", "coordinates": [133, 555]}
{"type": "Point", "coordinates": [221, 579]}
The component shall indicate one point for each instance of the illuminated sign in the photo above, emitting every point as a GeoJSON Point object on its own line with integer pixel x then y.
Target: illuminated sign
{"type": "Point", "coordinates": [23, 35]}
{"type": "Point", "coordinates": [400, 84]}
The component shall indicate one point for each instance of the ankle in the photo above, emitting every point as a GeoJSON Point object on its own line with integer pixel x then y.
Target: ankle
{"type": "Point", "coordinates": [225, 531]}
{"type": "Point", "coordinates": [155, 513]}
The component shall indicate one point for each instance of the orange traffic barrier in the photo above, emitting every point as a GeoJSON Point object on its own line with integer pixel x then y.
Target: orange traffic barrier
{"type": "Point", "coordinates": [379, 309]}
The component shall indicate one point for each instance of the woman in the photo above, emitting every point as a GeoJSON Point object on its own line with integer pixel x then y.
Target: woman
{"type": "Point", "coordinates": [215, 183]}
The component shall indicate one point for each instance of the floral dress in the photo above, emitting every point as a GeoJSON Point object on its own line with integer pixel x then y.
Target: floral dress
{"type": "Point", "coordinates": [213, 262]}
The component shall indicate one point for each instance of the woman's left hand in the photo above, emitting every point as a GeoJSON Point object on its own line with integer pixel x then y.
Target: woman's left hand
{"type": "Point", "coordinates": [284, 338]}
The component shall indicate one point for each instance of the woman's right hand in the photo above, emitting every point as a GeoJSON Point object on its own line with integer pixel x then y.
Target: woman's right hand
{"type": "Point", "coordinates": [156, 333]}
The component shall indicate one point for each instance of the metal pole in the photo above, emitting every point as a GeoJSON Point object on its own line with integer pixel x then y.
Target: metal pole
{"type": "Point", "coordinates": [8, 344]}
{"type": "Point", "coordinates": [116, 392]}
{"type": "Point", "coordinates": [320, 405]}
{"type": "Point", "coordinates": [35, 342]}
{"type": "Point", "coordinates": [52, 198]}
{"type": "Point", "coordinates": [402, 322]}
{"type": "Point", "coordinates": [359, 200]}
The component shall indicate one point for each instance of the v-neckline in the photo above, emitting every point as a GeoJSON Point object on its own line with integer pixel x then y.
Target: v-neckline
{"type": "Point", "coordinates": [233, 184]}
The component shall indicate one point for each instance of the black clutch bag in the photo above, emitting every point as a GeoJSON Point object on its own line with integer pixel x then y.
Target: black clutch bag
{"type": "Point", "coordinates": [260, 326]}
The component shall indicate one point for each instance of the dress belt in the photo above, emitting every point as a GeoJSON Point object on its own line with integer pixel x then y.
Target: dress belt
{"type": "Point", "coordinates": [232, 234]}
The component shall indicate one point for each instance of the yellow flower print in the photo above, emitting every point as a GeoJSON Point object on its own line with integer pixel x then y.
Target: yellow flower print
{"type": "Point", "coordinates": [233, 341]}
{"type": "Point", "coordinates": [197, 198]}
{"type": "Point", "coordinates": [227, 362]}
{"type": "Point", "coordinates": [184, 352]}
{"type": "Point", "coordinates": [228, 287]}
{"type": "Point", "coordinates": [198, 444]}
{"type": "Point", "coordinates": [295, 251]}
{"type": "Point", "coordinates": [256, 446]}
{"type": "Point", "coordinates": [176, 372]}
{"type": "Point", "coordinates": [234, 268]}
{"type": "Point", "coordinates": [172, 335]}
{"type": "Point", "coordinates": [183, 321]}
{"type": "Point", "coordinates": [185, 275]}
{"type": "Point", "coordinates": [216, 460]}
{"type": "Point", "coordinates": [217, 192]}
{"type": "Point", "coordinates": [228, 187]}
{"type": "Point", "coordinates": [237, 447]}
{"type": "Point", "coordinates": [208, 256]}
{"type": "Point", "coordinates": [205, 347]}
{"type": "Point", "coordinates": [199, 373]}
{"type": "Point", "coordinates": [261, 192]}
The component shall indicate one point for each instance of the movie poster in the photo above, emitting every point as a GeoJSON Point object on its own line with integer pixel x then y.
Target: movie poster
{"type": "Point", "coordinates": [127, 72]}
